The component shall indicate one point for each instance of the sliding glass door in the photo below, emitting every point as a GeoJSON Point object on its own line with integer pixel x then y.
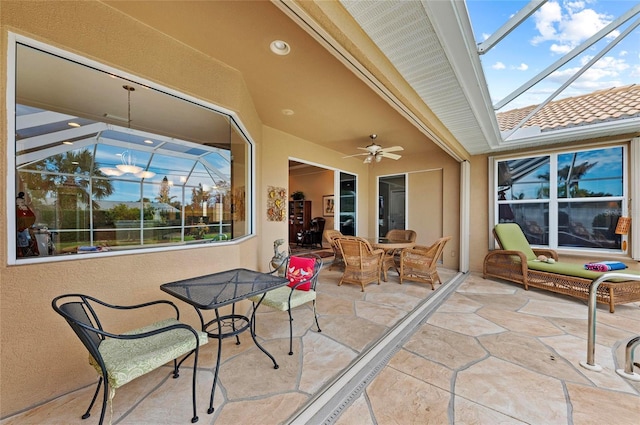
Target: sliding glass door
{"type": "Point", "coordinates": [391, 203]}
{"type": "Point", "coordinates": [347, 204]}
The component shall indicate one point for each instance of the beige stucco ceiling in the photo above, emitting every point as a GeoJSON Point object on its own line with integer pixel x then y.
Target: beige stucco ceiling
{"type": "Point", "coordinates": [332, 105]}
{"type": "Point", "coordinates": [405, 70]}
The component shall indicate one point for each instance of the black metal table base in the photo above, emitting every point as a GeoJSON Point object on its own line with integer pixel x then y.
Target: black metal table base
{"type": "Point", "coordinates": [229, 326]}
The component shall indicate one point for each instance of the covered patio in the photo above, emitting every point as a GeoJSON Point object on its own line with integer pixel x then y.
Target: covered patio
{"type": "Point", "coordinates": [472, 351]}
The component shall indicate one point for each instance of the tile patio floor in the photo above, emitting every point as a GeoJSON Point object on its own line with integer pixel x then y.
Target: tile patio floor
{"type": "Point", "coordinates": [485, 352]}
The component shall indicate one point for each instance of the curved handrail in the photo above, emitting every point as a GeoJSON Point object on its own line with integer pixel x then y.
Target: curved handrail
{"type": "Point", "coordinates": [591, 339]}
{"type": "Point", "coordinates": [628, 372]}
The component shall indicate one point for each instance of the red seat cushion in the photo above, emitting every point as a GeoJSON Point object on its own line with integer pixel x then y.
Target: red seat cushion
{"type": "Point", "coordinates": [300, 269]}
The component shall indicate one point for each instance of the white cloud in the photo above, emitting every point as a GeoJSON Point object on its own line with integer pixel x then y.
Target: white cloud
{"type": "Point", "coordinates": [605, 73]}
{"type": "Point", "coordinates": [522, 67]}
{"type": "Point", "coordinates": [485, 36]}
{"type": "Point", "coordinates": [575, 5]}
{"type": "Point", "coordinates": [545, 19]}
{"type": "Point", "coordinates": [560, 49]}
{"type": "Point", "coordinates": [623, 53]}
{"type": "Point", "coordinates": [498, 65]}
{"type": "Point", "coordinates": [569, 28]}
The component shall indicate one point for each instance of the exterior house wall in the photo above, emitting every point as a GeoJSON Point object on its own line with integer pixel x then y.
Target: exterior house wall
{"type": "Point", "coordinates": [41, 358]}
{"type": "Point", "coordinates": [31, 334]}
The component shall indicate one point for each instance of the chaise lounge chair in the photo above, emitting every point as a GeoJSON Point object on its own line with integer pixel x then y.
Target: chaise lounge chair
{"type": "Point", "coordinates": [517, 262]}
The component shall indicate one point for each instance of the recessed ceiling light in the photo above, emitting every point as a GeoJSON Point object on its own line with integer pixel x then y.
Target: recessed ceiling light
{"type": "Point", "coordinates": [73, 124]}
{"type": "Point", "coordinates": [280, 47]}
{"type": "Point", "coordinates": [287, 112]}
{"type": "Point", "coordinates": [149, 142]}
{"type": "Point", "coordinates": [66, 142]}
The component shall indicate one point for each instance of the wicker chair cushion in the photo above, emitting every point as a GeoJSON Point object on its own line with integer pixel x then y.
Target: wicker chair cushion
{"type": "Point", "coordinates": [571, 269]}
{"type": "Point", "coordinates": [279, 298]}
{"type": "Point", "coordinates": [511, 238]}
{"type": "Point", "coordinates": [127, 359]}
{"type": "Point", "coordinates": [299, 270]}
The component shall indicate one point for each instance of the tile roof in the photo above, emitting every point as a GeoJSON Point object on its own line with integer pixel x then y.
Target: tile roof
{"type": "Point", "coordinates": [601, 106]}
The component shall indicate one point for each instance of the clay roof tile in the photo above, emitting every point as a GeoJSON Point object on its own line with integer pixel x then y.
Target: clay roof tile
{"type": "Point", "coordinates": [604, 105]}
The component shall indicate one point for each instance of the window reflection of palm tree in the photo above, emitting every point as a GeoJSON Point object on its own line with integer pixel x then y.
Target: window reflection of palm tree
{"type": "Point", "coordinates": [67, 176]}
{"type": "Point", "coordinates": [70, 168]}
{"type": "Point", "coordinates": [569, 177]}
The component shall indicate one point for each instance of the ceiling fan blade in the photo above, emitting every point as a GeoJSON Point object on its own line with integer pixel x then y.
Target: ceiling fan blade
{"type": "Point", "coordinates": [391, 155]}
{"type": "Point", "coordinates": [392, 149]}
{"type": "Point", "coordinates": [357, 154]}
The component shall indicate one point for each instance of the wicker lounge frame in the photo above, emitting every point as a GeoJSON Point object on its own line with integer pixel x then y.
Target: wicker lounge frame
{"type": "Point", "coordinates": [513, 265]}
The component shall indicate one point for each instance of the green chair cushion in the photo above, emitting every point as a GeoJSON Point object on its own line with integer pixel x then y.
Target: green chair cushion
{"type": "Point", "coordinates": [572, 269]}
{"type": "Point", "coordinates": [511, 238]}
{"type": "Point", "coordinates": [279, 298]}
{"type": "Point", "coordinates": [127, 359]}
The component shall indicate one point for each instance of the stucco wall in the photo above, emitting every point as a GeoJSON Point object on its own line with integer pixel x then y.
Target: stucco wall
{"type": "Point", "coordinates": [277, 148]}
{"type": "Point", "coordinates": [479, 217]}
{"type": "Point", "coordinates": [450, 194]}
{"type": "Point", "coordinates": [41, 358]}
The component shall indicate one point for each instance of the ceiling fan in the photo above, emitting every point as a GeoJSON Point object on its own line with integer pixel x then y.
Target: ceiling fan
{"type": "Point", "coordinates": [375, 152]}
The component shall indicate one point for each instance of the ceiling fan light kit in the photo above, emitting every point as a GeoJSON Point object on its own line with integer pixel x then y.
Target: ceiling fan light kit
{"type": "Point", "coordinates": [128, 159]}
{"type": "Point", "coordinates": [376, 152]}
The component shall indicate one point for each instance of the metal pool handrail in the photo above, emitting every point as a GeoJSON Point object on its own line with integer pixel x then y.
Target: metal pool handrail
{"type": "Point", "coordinates": [628, 372]}
{"type": "Point", "coordinates": [591, 342]}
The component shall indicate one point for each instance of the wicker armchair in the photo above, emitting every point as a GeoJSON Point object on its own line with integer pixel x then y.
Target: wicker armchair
{"type": "Point", "coordinates": [331, 235]}
{"type": "Point", "coordinates": [391, 259]}
{"type": "Point", "coordinates": [361, 262]}
{"type": "Point", "coordinates": [419, 263]}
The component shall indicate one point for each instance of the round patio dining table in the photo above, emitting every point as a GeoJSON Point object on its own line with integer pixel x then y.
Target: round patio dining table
{"type": "Point", "coordinates": [389, 246]}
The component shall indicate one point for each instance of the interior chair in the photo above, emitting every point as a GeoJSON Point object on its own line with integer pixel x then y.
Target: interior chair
{"type": "Point", "coordinates": [316, 230]}
{"type": "Point", "coordinates": [362, 264]}
{"type": "Point", "coordinates": [302, 272]}
{"type": "Point", "coordinates": [331, 235]}
{"type": "Point", "coordinates": [118, 358]}
{"type": "Point", "coordinates": [391, 258]}
{"type": "Point", "coordinates": [420, 262]}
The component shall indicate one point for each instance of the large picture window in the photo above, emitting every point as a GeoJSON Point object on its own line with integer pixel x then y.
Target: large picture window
{"type": "Point", "coordinates": [104, 163]}
{"type": "Point", "coordinates": [564, 200]}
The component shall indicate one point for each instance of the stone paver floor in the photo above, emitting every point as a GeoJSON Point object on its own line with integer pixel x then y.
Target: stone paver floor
{"type": "Point", "coordinates": [491, 353]}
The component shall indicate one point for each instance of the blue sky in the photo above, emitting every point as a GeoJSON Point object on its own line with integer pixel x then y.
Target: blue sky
{"type": "Point", "coordinates": [551, 32]}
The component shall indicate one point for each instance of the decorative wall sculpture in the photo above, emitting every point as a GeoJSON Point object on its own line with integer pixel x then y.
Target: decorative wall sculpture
{"type": "Point", "coordinates": [276, 203]}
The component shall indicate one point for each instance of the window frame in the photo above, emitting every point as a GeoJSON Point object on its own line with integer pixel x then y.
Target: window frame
{"type": "Point", "coordinates": [554, 201]}
{"type": "Point", "coordinates": [11, 175]}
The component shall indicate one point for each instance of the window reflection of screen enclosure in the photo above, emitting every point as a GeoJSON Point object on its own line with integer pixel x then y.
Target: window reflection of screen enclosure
{"type": "Point", "coordinates": [121, 171]}
{"type": "Point", "coordinates": [585, 196]}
